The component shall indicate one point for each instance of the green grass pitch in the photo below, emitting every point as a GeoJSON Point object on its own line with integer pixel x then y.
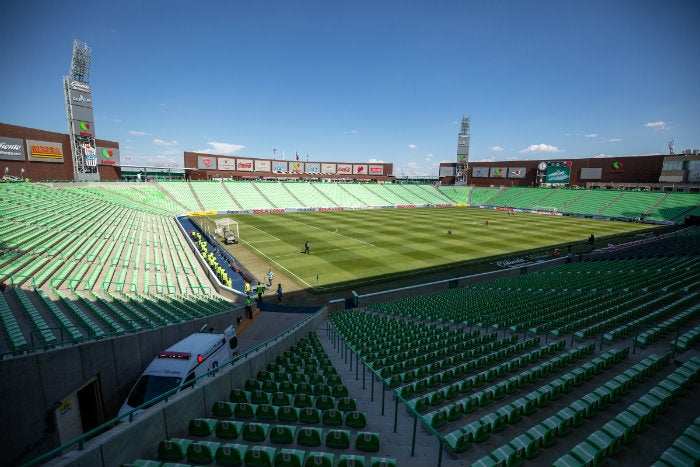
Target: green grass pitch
{"type": "Point", "coordinates": [354, 248]}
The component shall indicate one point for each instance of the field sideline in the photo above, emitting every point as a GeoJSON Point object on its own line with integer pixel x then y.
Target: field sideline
{"type": "Point", "coordinates": [354, 248]}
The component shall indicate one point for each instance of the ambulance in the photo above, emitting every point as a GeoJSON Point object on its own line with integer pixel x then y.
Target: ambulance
{"type": "Point", "coordinates": [180, 363]}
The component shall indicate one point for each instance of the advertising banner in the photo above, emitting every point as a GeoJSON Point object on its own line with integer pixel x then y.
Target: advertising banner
{"type": "Point", "coordinates": [262, 166]}
{"type": "Point", "coordinates": [108, 156]}
{"type": "Point", "coordinates": [245, 165]}
{"type": "Point", "coordinates": [480, 172]}
{"type": "Point", "coordinates": [79, 86]}
{"type": "Point", "coordinates": [11, 149]}
{"type": "Point", "coordinates": [226, 163]}
{"type": "Point", "coordinates": [206, 162]}
{"type": "Point", "coordinates": [313, 167]}
{"type": "Point", "coordinates": [344, 169]}
{"type": "Point", "coordinates": [558, 174]}
{"type": "Point", "coordinates": [279, 166]}
{"type": "Point", "coordinates": [44, 151]}
{"type": "Point", "coordinates": [376, 170]}
{"type": "Point", "coordinates": [296, 167]}
{"type": "Point", "coordinates": [83, 128]}
{"type": "Point", "coordinates": [591, 173]}
{"type": "Point", "coordinates": [516, 172]}
{"type": "Point", "coordinates": [81, 114]}
{"type": "Point", "coordinates": [327, 168]}
{"type": "Point", "coordinates": [83, 99]}
{"type": "Point", "coordinates": [359, 169]}
{"type": "Point", "coordinates": [461, 158]}
{"type": "Point", "coordinates": [498, 172]}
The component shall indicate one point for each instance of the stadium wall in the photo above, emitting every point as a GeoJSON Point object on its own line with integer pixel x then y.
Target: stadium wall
{"type": "Point", "coordinates": [33, 385]}
{"type": "Point", "coordinates": [49, 170]}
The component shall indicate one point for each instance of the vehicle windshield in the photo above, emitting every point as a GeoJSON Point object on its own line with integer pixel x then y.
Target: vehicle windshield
{"type": "Point", "coordinates": [149, 387]}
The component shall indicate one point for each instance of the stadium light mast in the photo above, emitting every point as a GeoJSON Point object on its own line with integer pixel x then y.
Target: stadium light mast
{"type": "Point", "coordinates": [463, 140]}
{"type": "Point", "coordinates": [81, 122]}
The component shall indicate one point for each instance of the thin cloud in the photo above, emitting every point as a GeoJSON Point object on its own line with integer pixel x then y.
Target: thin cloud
{"type": "Point", "coordinates": [614, 140]}
{"type": "Point", "coordinates": [374, 161]}
{"type": "Point", "coordinates": [600, 156]}
{"type": "Point", "coordinates": [411, 146]}
{"type": "Point", "coordinates": [485, 159]}
{"type": "Point", "coordinates": [540, 148]}
{"type": "Point", "coordinates": [161, 142]}
{"type": "Point", "coordinates": [660, 125]}
{"type": "Point", "coordinates": [352, 132]}
{"type": "Point", "coordinates": [496, 148]}
{"type": "Point", "coordinates": [591, 135]}
{"type": "Point", "coordinates": [137, 132]}
{"type": "Point", "coordinates": [224, 148]}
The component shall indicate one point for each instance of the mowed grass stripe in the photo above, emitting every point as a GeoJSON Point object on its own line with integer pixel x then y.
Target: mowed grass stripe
{"type": "Point", "coordinates": [356, 247]}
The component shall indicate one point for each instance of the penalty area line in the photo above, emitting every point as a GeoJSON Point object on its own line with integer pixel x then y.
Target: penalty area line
{"type": "Point", "coordinates": [278, 265]}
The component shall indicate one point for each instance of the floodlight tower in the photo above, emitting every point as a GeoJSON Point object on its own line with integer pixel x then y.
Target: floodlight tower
{"type": "Point", "coordinates": [81, 122]}
{"type": "Point", "coordinates": [671, 145]}
{"type": "Point", "coordinates": [463, 139]}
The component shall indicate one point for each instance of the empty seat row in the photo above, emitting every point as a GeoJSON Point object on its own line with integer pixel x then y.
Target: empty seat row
{"type": "Point", "coordinates": [308, 415]}
{"type": "Point", "coordinates": [685, 449]}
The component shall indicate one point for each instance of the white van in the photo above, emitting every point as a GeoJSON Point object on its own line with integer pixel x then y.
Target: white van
{"type": "Point", "coordinates": [180, 363]}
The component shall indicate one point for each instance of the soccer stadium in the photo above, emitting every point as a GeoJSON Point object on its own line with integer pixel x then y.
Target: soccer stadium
{"type": "Point", "coordinates": [536, 313]}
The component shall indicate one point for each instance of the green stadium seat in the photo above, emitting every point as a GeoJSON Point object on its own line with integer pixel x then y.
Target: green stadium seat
{"type": "Point", "coordinates": [255, 431]}
{"type": "Point", "coordinates": [309, 436]}
{"type": "Point", "coordinates": [478, 429]}
{"type": "Point", "coordinates": [338, 439]}
{"type": "Point", "coordinates": [322, 389]}
{"type": "Point", "coordinates": [286, 387]}
{"type": "Point", "coordinates": [324, 402]}
{"type": "Point", "coordinates": [308, 416]}
{"type": "Point", "coordinates": [244, 411]}
{"type": "Point", "coordinates": [238, 395]}
{"type": "Point", "coordinates": [509, 455]}
{"type": "Point", "coordinates": [606, 442]}
{"type": "Point", "coordinates": [331, 417]}
{"type": "Point", "coordinates": [259, 396]}
{"type": "Point", "coordinates": [252, 384]}
{"type": "Point", "coordinates": [589, 454]}
{"type": "Point", "coordinates": [228, 429]}
{"type": "Point", "coordinates": [530, 445]}
{"type": "Point", "coordinates": [513, 413]}
{"type": "Point", "coordinates": [223, 409]}
{"type": "Point", "coordinates": [280, 398]}
{"type": "Point", "coordinates": [289, 458]}
{"type": "Point", "coordinates": [283, 434]}
{"type": "Point", "coordinates": [616, 429]}
{"type": "Point", "coordinates": [267, 386]}
{"type": "Point", "coordinates": [304, 388]}
{"type": "Point", "coordinates": [144, 463]}
{"type": "Point", "coordinates": [266, 412]}
{"type": "Point", "coordinates": [202, 426]}
{"type": "Point", "coordinates": [287, 414]}
{"type": "Point", "coordinates": [319, 459]}
{"type": "Point", "coordinates": [173, 449]}
{"type": "Point", "coordinates": [302, 401]}
{"type": "Point", "coordinates": [351, 460]}
{"type": "Point", "coordinates": [339, 390]}
{"type": "Point", "coordinates": [367, 441]}
{"type": "Point", "coordinates": [458, 441]}
{"type": "Point", "coordinates": [259, 456]}
{"type": "Point", "coordinates": [202, 452]}
{"type": "Point", "coordinates": [548, 435]}
{"type": "Point", "coordinates": [355, 419]}
{"type": "Point", "coordinates": [496, 421]}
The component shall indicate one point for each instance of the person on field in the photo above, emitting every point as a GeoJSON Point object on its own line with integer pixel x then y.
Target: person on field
{"type": "Point", "coordinates": [279, 293]}
{"type": "Point", "coordinates": [306, 247]}
{"type": "Point", "coordinates": [269, 277]}
{"type": "Point", "coordinates": [260, 289]}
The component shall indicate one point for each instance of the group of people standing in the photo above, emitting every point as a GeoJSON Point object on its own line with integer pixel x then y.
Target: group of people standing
{"type": "Point", "coordinates": [260, 290]}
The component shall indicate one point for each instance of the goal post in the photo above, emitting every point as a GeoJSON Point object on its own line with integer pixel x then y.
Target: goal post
{"type": "Point", "coordinates": [228, 229]}
{"type": "Point", "coordinates": [546, 208]}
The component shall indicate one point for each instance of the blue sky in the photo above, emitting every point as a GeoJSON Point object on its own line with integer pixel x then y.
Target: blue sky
{"type": "Point", "coordinates": [364, 80]}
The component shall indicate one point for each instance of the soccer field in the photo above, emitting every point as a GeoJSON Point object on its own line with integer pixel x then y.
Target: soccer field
{"type": "Point", "coordinates": [354, 248]}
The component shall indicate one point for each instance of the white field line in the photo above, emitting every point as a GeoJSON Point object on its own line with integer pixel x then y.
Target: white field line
{"type": "Point", "coordinates": [322, 251]}
{"type": "Point", "coordinates": [328, 231]}
{"type": "Point", "coordinates": [278, 265]}
{"type": "Point", "coordinates": [260, 230]}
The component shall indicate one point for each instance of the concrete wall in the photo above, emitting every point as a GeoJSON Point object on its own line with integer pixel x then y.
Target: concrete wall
{"type": "Point", "coordinates": [140, 438]}
{"type": "Point", "coordinates": [32, 386]}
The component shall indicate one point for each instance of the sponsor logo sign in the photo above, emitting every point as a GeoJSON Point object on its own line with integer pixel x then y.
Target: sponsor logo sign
{"type": "Point", "coordinates": [226, 163]}
{"type": "Point", "coordinates": [279, 166]}
{"type": "Point", "coordinates": [359, 169]}
{"type": "Point", "coordinates": [262, 166]}
{"type": "Point", "coordinates": [461, 158]}
{"type": "Point", "coordinates": [480, 172]}
{"type": "Point", "coordinates": [328, 168]}
{"type": "Point", "coordinates": [83, 99]}
{"type": "Point", "coordinates": [558, 174]}
{"type": "Point", "coordinates": [11, 149]}
{"type": "Point", "coordinates": [516, 172]}
{"type": "Point", "coordinates": [344, 168]}
{"type": "Point", "coordinates": [44, 151]}
{"type": "Point", "coordinates": [108, 156]}
{"type": "Point", "coordinates": [617, 168]}
{"type": "Point", "coordinates": [245, 165]}
{"type": "Point", "coordinates": [559, 164]}
{"type": "Point", "coordinates": [206, 162]}
{"type": "Point", "coordinates": [313, 167]}
{"type": "Point", "coordinates": [83, 128]}
{"type": "Point", "coordinates": [498, 172]}
{"type": "Point", "coordinates": [376, 169]}
{"type": "Point", "coordinates": [296, 167]}
{"type": "Point", "coordinates": [79, 86]}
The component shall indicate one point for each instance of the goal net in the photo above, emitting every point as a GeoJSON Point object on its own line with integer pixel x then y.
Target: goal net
{"type": "Point", "coordinates": [228, 229]}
